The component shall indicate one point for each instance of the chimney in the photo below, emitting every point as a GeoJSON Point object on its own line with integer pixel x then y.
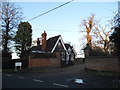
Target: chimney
{"type": "Point", "coordinates": [44, 35]}
{"type": "Point", "coordinates": [38, 42]}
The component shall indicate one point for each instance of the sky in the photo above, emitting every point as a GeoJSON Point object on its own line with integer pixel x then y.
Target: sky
{"type": "Point", "coordinates": [65, 21]}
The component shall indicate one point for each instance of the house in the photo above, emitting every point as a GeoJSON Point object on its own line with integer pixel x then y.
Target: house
{"type": "Point", "coordinates": [54, 52]}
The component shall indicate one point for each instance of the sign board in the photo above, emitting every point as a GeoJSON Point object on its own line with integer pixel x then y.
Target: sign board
{"type": "Point", "coordinates": [18, 64]}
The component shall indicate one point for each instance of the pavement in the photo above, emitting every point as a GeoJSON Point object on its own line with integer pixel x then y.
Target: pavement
{"type": "Point", "coordinates": [58, 78]}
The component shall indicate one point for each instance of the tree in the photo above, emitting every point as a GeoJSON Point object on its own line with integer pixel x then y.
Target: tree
{"type": "Point", "coordinates": [89, 24]}
{"type": "Point", "coordinates": [103, 33]}
{"type": "Point", "coordinates": [10, 17]}
{"type": "Point", "coordinates": [99, 34]}
{"type": "Point", "coordinates": [23, 39]}
{"type": "Point", "coordinates": [115, 38]}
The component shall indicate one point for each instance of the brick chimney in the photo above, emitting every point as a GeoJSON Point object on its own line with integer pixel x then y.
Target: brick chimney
{"type": "Point", "coordinates": [44, 35]}
{"type": "Point", "coordinates": [38, 42]}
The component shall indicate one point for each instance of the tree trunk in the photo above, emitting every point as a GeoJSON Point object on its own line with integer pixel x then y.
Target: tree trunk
{"type": "Point", "coordinates": [6, 39]}
{"type": "Point", "coordinates": [89, 40]}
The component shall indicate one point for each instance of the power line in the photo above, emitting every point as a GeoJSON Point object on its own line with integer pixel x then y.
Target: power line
{"type": "Point", "coordinates": [54, 30]}
{"type": "Point", "coordinates": [59, 31]}
{"type": "Point", "coordinates": [51, 10]}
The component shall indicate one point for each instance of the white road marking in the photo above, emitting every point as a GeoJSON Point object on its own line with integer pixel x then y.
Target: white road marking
{"type": "Point", "coordinates": [60, 85]}
{"type": "Point", "coordinates": [38, 80]}
{"type": "Point", "coordinates": [20, 77]}
{"type": "Point", "coordinates": [8, 75]}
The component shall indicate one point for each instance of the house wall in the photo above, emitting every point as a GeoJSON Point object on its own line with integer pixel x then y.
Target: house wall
{"type": "Point", "coordinates": [43, 62]}
{"type": "Point", "coordinates": [109, 64]}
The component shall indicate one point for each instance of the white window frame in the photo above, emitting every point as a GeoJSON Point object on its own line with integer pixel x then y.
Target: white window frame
{"type": "Point", "coordinates": [63, 55]}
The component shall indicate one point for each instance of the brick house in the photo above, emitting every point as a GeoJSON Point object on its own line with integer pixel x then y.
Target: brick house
{"type": "Point", "coordinates": [51, 52]}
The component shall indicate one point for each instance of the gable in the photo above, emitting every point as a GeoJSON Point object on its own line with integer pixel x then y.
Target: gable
{"type": "Point", "coordinates": [59, 46]}
{"type": "Point", "coordinates": [51, 43]}
{"type": "Point", "coordinates": [62, 43]}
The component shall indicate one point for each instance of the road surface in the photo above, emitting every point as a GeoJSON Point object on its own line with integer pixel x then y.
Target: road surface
{"type": "Point", "coordinates": [62, 78]}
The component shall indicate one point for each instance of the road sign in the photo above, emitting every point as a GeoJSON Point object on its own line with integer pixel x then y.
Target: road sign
{"type": "Point", "coordinates": [18, 64]}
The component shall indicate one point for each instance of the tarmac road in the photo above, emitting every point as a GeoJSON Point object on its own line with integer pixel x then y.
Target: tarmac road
{"type": "Point", "coordinates": [62, 78]}
{"type": "Point", "coordinates": [25, 81]}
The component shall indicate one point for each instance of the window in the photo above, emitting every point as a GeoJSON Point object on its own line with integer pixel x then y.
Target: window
{"type": "Point", "coordinates": [59, 44]}
{"type": "Point", "coordinates": [63, 56]}
{"type": "Point", "coordinates": [72, 56]}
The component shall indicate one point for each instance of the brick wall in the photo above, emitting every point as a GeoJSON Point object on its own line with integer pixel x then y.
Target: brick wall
{"type": "Point", "coordinates": [43, 62]}
{"type": "Point", "coordinates": [110, 64]}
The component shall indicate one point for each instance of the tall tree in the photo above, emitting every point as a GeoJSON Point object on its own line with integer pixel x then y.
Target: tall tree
{"type": "Point", "coordinates": [10, 16]}
{"type": "Point", "coordinates": [23, 39]}
{"type": "Point", "coordinates": [115, 36]}
{"type": "Point", "coordinates": [103, 33]}
{"type": "Point", "coordinates": [89, 24]}
{"type": "Point", "coordinates": [96, 33]}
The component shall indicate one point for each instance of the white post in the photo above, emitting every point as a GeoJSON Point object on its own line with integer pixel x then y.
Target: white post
{"type": "Point", "coordinates": [20, 67]}
{"type": "Point", "coordinates": [15, 68]}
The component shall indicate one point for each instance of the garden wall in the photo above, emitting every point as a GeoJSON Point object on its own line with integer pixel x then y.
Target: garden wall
{"type": "Point", "coordinates": [43, 62]}
{"type": "Point", "coordinates": [107, 64]}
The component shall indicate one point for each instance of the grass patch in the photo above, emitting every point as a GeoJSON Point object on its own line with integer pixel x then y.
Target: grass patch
{"type": "Point", "coordinates": [29, 70]}
{"type": "Point", "coordinates": [8, 70]}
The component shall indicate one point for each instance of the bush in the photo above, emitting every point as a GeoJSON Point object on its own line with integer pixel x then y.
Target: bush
{"type": "Point", "coordinates": [98, 52]}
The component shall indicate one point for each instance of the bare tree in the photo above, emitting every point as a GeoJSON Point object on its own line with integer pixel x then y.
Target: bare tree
{"type": "Point", "coordinates": [10, 17]}
{"type": "Point", "coordinates": [102, 33]}
{"type": "Point", "coordinates": [89, 24]}
{"type": "Point", "coordinates": [96, 34]}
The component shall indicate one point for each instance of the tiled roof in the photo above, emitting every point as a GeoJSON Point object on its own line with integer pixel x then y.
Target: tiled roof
{"type": "Point", "coordinates": [36, 48]}
{"type": "Point", "coordinates": [67, 46]}
{"type": "Point", "coordinates": [51, 42]}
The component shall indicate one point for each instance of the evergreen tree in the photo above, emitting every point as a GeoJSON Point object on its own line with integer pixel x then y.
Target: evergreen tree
{"type": "Point", "coordinates": [23, 39]}
{"type": "Point", "coordinates": [115, 38]}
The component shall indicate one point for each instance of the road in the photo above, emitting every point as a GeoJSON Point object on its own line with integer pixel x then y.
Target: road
{"type": "Point", "coordinates": [25, 81]}
{"type": "Point", "coordinates": [54, 79]}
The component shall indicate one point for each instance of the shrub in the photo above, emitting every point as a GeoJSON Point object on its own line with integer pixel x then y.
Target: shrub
{"type": "Point", "coordinates": [98, 52]}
